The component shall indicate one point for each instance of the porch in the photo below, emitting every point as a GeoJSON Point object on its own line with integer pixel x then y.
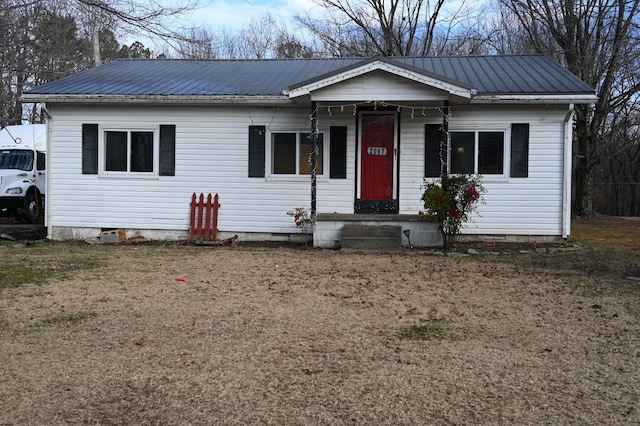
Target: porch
{"type": "Point", "coordinates": [422, 231]}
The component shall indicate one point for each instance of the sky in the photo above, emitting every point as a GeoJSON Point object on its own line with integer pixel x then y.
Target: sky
{"type": "Point", "coordinates": [233, 14]}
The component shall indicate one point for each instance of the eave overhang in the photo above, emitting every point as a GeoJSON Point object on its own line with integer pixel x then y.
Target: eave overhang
{"type": "Point", "coordinates": [512, 98]}
{"type": "Point", "coordinates": [455, 88]}
{"type": "Point", "coordinates": [266, 100]}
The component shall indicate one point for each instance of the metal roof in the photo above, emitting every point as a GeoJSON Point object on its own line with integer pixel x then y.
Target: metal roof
{"type": "Point", "coordinates": [520, 74]}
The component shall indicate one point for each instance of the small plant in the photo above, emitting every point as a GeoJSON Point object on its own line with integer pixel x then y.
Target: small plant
{"type": "Point", "coordinates": [303, 219]}
{"type": "Point", "coordinates": [451, 200]}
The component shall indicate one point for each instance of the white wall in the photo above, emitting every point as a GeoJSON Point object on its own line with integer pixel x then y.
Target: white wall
{"type": "Point", "coordinates": [516, 206]}
{"type": "Point", "coordinates": [212, 156]}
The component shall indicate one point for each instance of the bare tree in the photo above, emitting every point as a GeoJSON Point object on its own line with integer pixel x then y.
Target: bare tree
{"type": "Point", "coordinates": [258, 38]}
{"type": "Point", "coordinates": [136, 17]}
{"type": "Point", "coordinates": [596, 40]}
{"type": "Point", "coordinates": [382, 27]}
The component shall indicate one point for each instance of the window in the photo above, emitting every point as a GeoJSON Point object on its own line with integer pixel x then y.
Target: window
{"type": "Point", "coordinates": [291, 153]}
{"type": "Point", "coordinates": [126, 151]}
{"type": "Point", "coordinates": [489, 159]}
{"type": "Point", "coordinates": [130, 152]}
{"type": "Point", "coordinates": [41, 161]}
{"type": "Point", "coordinates": [21, 159]}
{"type": "Point", "coordinates": [490, 153]}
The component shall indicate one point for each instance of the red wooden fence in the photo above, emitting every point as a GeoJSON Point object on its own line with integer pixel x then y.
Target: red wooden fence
{"type": "Point", "coordinates": [204, 218]}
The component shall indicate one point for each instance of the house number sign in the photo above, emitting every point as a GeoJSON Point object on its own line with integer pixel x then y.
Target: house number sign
{"type": "Point", "coordinates": [372, 150]}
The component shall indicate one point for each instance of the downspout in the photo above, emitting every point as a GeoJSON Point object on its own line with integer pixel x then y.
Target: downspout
{"type": "Point", "coordinates": [47, 196]}
{"type": "Point", "coordinates": [568, 154]}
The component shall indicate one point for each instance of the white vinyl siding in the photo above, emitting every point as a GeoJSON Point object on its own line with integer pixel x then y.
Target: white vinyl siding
{"type": "Point", "coordinates": [514, 206]}
{"type": "Point", "coordinates": [211, 156]}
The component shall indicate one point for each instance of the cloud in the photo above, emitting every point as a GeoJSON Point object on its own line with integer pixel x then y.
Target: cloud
{"type": "Point", "coordinates": [233, 15]}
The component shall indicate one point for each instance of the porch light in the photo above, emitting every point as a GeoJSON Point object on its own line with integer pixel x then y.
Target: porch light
{"type": "Point", "coordinates": [406, 233]}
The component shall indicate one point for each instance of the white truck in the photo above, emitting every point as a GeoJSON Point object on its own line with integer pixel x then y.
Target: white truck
{"type": "Point", "coordinates": [23, 174]}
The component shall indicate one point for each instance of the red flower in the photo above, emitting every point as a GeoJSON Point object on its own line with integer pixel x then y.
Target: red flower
{"type": "Point", "coordinates": [442, 199]}
{"type": "Point", "coordinates": [473, 194]}
{"type": "Point", "coordinates": [454, 212]}
{"type": "Point", "coordinates": [421, 212]}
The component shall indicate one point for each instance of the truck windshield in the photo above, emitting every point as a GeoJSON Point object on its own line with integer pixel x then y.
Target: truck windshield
{"type": "Point", "coordinates": [16, 159]}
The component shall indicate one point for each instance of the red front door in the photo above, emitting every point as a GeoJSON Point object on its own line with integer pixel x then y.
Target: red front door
{"type": "Point", "coordinates": [376, 156]}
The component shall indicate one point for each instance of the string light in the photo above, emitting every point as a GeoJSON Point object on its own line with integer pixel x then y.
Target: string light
{"type": "Point", "coordinates": [382, 104]}
{"type": "Point", "coordinates": [445, 113]}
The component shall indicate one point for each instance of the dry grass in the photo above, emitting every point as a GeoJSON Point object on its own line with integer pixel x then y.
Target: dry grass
{"type": "Point", "coordinates": [282, 336]}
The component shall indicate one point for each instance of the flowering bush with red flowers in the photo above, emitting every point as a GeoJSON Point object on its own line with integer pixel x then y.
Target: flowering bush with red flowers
{"type": "Point", "coordinates": [451, 200]}
{"type": "Point", "coordinates": [302, 218]}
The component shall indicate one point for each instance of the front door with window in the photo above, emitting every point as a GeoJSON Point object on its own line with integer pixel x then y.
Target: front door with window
{"type": "Point", "coordinates": [377, 160]}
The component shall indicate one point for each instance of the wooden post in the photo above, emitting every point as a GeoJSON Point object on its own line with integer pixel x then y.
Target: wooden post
{"type": "Point", "coordinates": [314, 156]}
{"type": "Point", "coordinates": [444, 142]}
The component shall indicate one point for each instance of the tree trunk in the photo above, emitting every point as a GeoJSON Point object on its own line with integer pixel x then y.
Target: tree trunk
{"type": "Point", "coordinates": [584, 164]}
{"type": "Point", "coordinates": [583, 201]}
{"type": "Point", "coordinates": [96, 48]}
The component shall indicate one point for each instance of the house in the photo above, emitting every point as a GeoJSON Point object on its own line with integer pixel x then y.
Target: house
{"type": "Point", "coordinates": [131, 140]}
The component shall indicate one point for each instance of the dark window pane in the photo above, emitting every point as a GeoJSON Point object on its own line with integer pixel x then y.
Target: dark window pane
{"type": "Point", "coordinates": [490, 153]}
{"type": "Point", "coordinates": [142, 151]}
{"type": "Point", "coordinates": [462, 152]}
{"type": "Point", "coordinates": [284, 153]}
{"type": "Point", "coordinates": [520, 150]}
{"type": "Point", "coordinates": [115, 145]}
{"type": "Point", "coordinates": [41, 161]}
{"type": "Point", "coordinates": [306, 146]}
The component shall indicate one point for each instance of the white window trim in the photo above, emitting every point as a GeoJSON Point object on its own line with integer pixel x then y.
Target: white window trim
{"type": "Point", "coordinates": [102, 172]}
{"type": "Point", "coordinates": [506, 153]}
{"type": "Point", "coordinates": [297, 176]}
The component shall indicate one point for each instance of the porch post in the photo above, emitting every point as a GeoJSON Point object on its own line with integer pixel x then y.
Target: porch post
{"type": "Point", "coordinates": [444, 141]}
{"type": "Point", "coordinates": [314, 156]}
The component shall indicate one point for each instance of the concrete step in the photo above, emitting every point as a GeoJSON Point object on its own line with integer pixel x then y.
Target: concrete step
{"type": "Point", "coordinates": [371, 237]}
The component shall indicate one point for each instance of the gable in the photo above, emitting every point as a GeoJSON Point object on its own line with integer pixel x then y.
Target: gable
{"type": "Point", "coordinates": [381, 75]}
{"type": "Point", "coordinates": [379, 85]}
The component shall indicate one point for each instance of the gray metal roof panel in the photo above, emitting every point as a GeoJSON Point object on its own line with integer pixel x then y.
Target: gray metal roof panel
{"type": "Point", "coordinates": [533, 74]}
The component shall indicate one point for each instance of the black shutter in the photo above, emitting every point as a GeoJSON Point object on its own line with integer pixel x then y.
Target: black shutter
{"type": "Point", "coordinates": [338, 152]}
{"type": "Point", "coordinates": [432, 135]}
{"type": "Point", "coordinates": [257, 138]}
{"type": "Point", "coordinates": [520, 150]}
{"type": "Point", "coordinates": [89, 149]}
{"type": "Point", "coordinates": [167, 150]}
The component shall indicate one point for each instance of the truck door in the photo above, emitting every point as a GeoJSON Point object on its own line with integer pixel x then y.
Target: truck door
{"type": "Point", "coordinates": [41, 172]}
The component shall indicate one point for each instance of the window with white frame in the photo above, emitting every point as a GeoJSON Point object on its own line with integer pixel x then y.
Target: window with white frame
{"type": "Point", "coordinates": [477, 152]}
{"type": "Point", "coordinates": [291, 153]}
{"type": "Point", "coordinates": [130, 151]}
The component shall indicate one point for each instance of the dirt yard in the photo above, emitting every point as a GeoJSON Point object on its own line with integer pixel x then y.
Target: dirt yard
{"type": "Point", "coordinates": [169, 334]}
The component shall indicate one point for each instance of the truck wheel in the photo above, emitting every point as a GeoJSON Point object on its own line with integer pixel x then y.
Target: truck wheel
{"type": "Point", "coordinates": [33, 207]}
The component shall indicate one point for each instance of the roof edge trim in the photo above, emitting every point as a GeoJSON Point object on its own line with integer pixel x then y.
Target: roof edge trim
{"type": "Point", "coordinates": [160, 99]}
{"type": "Point", "coordinates": [585, 98]}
